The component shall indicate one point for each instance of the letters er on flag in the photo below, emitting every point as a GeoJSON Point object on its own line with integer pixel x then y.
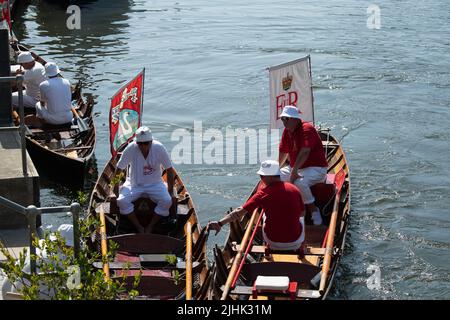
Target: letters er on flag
{"type": "Point", "coordinates": [291, 84]}
{"type": "Point", "coordinates": [125, 113]}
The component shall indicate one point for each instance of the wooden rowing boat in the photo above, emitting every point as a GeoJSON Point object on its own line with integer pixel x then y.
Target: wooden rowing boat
{"type": "Point", "coordinates": [151, 253]}
{"type": "Point", "coordinates": [63, 153]}
{"type": "Point", "coordinates": [300, 270]}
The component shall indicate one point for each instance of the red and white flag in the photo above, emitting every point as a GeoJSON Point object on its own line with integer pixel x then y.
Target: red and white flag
{"type": "Point", "coordinates": [5, 13]}
{"type": "Point", "coordinates": [125, 113]}
{"type": "Point", "coordinates": [290, 84]}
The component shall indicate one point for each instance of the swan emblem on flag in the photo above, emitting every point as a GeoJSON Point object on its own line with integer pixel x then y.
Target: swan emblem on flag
{"type": "Point", "coordinates": [128, 124]}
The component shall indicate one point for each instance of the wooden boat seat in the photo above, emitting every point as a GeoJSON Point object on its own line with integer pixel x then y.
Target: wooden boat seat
{"type": "Point", "coordinates": [196, 266]}
{"type": "Point", "coordinates": [147, 243]}
{"type": "Point", "coordinates": [161, 287]}
{"type": "Point", "coordinates": [49, 128]}
{"type": "Point", "coordinates": [274, 284]}
{"type": "Point", "coordinates": [300, 273]}
{"type": "Point", "coordinates": [262, 249]}
{"type": "Point", "coordinates": [301, 293]}
{"type": "Point", "coordinates": [64, 126]}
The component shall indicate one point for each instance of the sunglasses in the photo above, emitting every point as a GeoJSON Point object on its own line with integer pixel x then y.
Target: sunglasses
{"type": "Point", "coordinates": [143, 143]}
{"type": "Point", "coordinates": [284, 119]}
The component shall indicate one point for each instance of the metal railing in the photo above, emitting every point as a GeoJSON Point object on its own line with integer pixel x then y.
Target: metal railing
{"type": "Point", "coordinates": [31, 212]}
{"type": "Point", "coordinates": [22, 127]}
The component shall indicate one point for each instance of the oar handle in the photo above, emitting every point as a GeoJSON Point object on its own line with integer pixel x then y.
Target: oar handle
{"type": "Point", "coordinates": [104, 245]}
{"type": "Point", "coordinates": [340, 177]}
{"type": "Point", "coordinates": [75, 113]}
{"type": "Point", "coordinates": [238, 256]}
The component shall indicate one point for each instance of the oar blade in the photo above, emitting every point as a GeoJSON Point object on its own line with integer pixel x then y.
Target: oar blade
{"type": "Point", "coordinates": [82, 125]}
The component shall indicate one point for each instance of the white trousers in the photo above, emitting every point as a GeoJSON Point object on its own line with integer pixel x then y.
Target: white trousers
{"type": "Point", "coordinates": [287, 245]}
{"type": "Point", "coordinates": [308, 177]}
{"type": "Point", "coordinates": [157, 192]}
{"type": "Point", "coordinates": [53, 118]}
{"type": "Point", "coordinates": [28, 101]}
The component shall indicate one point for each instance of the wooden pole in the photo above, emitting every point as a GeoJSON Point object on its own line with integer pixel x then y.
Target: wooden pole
{"type": "Point", "coordinates": [104, 244]}
{"type": "Point", "coordinates": [340, 177]}
{"type": "Point", "coordinates": [249, 245]}
{"type": "Point", "coordinates": [238, 256]}
{"type": "Point", "coordinates": [188, 261]}
{"type": "Point", "coordinates": [81, 124]}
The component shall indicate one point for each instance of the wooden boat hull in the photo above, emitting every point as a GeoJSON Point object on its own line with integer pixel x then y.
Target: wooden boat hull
{"type": "Point", "coordinates": [299, 269]}
{"type": "Point", "coordinates": [158, 281]}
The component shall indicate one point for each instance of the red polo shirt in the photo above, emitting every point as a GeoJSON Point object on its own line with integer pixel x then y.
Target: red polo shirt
{"type": "Point", "coordinates": [304, 136]}
{"type": "Point", "coordinates": [283, 207]}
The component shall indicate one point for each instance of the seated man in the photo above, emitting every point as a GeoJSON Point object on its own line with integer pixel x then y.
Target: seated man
{"type": "Point", "coordinates": [283, 209]}
{"type": "Point", "coordinates": [55, 106]}
{"type": "Point", "coordinates": [33, 75]}
{"type": "Point", "coordinates": [307, 162]}
{"type": "Point", "coordinates": [145, 157]}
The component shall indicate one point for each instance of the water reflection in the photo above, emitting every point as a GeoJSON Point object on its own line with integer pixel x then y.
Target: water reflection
{"type": "Point", "coordinates": [77, 51]}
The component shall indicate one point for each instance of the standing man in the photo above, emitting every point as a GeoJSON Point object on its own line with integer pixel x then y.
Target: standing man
{"type": "Point", "coordinates": [283, 209]}
{"type": "Point", "coordinates": [55, 103]}
{"type": "Point", "coordinates": [33, 75]}
{"type": "Point", "coordinates": [307, 162]}
{"type": "Point", "coordinates": [145, 157]}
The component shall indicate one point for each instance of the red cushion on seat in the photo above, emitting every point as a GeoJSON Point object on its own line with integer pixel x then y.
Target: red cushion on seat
{"type": "Point", "coordinates": [323, 192]}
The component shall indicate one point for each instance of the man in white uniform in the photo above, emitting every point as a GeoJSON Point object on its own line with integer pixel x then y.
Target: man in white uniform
{"type": "Point", "coordinates": [33, 73]}
{"type": "Point", "coordinates": [56, 100]}
{"type": "Point", "coordinates": [145, 157]}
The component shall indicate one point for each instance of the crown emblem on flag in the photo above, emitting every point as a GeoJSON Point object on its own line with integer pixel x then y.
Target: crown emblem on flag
{"type": "Point", "coordinates": [287, 81]}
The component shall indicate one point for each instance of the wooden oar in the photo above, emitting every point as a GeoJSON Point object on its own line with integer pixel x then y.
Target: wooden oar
{"type": "Point", "coordinates": [81, 124]}
{"type": "Point", "coordinates": [238, 256]}
{"type": "Point", "coordinates": [103, 243]}
{"type": "Point", "coordinates": [188, 261]}
{"type": "Point", "coordinates": [233, 284]}
{"type": "Point", "coordinates": [340, 177]}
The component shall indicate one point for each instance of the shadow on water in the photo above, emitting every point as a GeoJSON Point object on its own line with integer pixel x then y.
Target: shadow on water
{"type": "Point", "coordinates": [57, 194]}
{"type": "Point", "coordinates": [71, 192]}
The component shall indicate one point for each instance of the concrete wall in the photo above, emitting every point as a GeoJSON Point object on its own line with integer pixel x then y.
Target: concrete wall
{"type": "Point", "coordinates": [13, 185]}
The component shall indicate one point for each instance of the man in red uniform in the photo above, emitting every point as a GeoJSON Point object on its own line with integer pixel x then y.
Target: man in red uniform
{"type": "Point", "coordinates": [283, 210]}
{"type": "Point", "coordinates": [307, 162]}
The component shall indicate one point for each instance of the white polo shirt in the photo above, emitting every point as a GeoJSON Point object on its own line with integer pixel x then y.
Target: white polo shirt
{"type": "Point", "coordinates": [57, 94]}
{"type": "Point", "coordinates": [32, 78]}
{"type": "Point", "coordinates": [144, 171]}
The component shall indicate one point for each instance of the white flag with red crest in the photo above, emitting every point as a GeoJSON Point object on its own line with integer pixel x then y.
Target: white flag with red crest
{"type": "Point", "coordinates": [291, 84]}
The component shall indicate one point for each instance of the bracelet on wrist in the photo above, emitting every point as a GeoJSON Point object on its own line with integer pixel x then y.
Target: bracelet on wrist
{"type": "Point", "coordinates": [220, 223]}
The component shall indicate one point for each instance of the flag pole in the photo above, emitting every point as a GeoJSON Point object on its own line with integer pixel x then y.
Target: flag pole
{"type": "Point", "coordinates": [9, 15]}
{"type": "Point", "coordinates": [312, 92]}
{"type": "Point", "coordinates": [142, 97]}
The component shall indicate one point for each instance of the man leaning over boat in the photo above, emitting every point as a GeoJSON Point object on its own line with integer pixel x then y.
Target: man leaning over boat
{"type": "Point", "coordinates": [283, 209]}
{"type": "Point", "coordinates": [145, 156]}
{"type": "Point", "coordinates": [301, 144]}
{"type": "Point", "coordinates": [33, 75]}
